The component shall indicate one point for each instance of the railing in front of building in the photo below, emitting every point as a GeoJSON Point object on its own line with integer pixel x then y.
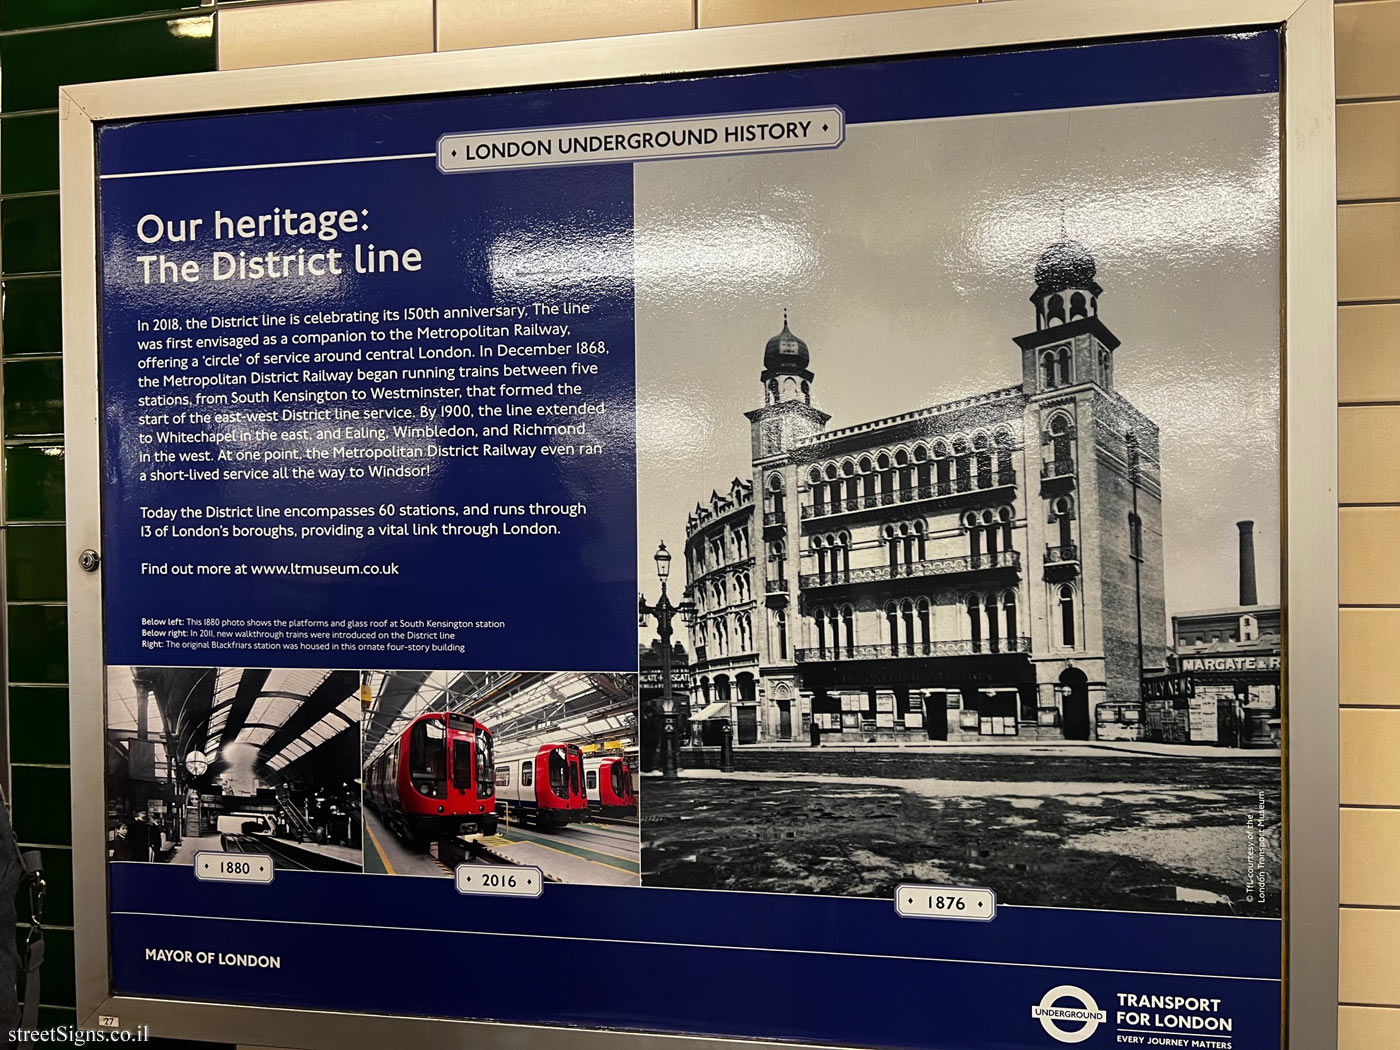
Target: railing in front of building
{"type": "Point", "coordinates": [904, 650]}
{"type": "Point", "coordinates": [937, 490]}
{"type": "Point", "coordinates": [778, 586]}
{"type": "Point", "coordinates": [1057, 468]}
{"type": "Point", "coordinates": [1064, 554]}
{"type": "Point", "coordinates": [775, 517]}
{"type": "Point", "coordinates": [908, 570]}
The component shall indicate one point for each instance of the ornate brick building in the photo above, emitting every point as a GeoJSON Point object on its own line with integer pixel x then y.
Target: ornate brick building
{"type": "Point", "coordinates": [986, 567]}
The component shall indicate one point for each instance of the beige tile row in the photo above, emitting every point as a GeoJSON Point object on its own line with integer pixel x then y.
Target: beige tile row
{"type": "Point", "coordinates": [1365, 1027]}
{"type": "Point", "coordinates": [277, 34]}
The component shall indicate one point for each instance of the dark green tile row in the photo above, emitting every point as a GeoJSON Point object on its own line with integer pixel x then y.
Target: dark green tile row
{"type": "Point", "coordinates": [29, 231]}
{"type": "Point", "coordinates": [39, 724]}
{"type": "Point", "coordinates": [38, 646]}
{"type": "Point", "coordinates": [33, 398]}
{"type": "Point", "coordinates": [34, 563]}
{"type": "Point", "coordinates": [31, 312]}
{"type": "Point", "coordinates": [30, 14]}
{"type": "Point", "coordinates": [43, 806]}
{"type": "Point", "coordinates": [34, 482]}
{"type": "Point", "coordinates": [36, 64]}
{"type": "Point", "coordinates": [30, 148]}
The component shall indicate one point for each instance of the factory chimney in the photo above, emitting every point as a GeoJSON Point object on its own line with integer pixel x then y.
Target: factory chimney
{"type": "Point", "coordinates": [1248, 594]}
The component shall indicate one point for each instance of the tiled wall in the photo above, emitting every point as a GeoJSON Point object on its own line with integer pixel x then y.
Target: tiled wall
{"type": "Point", "coordinates": [1368, 322]}
{"type": "Point", "coordinates": [47, 42]}
{"type": "Point", "coordinates": [44, 43]}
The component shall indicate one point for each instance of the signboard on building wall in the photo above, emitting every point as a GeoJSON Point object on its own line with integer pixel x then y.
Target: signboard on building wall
{"type": "Point", "coordinates": [406, 397]}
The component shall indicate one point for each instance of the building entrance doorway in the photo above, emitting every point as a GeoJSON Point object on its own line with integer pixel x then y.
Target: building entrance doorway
{"type": "Point", "coordinates": [784, 719]}
{"type": "Point", "coordinates": [1075, 699]}
{"type": "Point", "coordinates": [748, 725]}
{"type": "Point", "coordinates": [936, 716]}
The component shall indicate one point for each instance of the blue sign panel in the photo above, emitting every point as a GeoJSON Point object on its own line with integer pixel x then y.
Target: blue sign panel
{"type": "Point", "coordinates": [895, 399]}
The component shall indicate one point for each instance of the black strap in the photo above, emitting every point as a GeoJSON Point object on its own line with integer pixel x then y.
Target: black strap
{"type": "Point", "coordinates": [33, 955]}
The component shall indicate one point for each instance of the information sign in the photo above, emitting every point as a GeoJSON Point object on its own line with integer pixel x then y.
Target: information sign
{"type": "Point", "coordinates": [861, 378]}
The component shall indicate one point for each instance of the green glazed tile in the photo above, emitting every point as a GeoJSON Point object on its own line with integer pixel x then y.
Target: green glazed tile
{"type": "Point", "coordinates": [38, 724]}
{"type": "Point", "coordinates": [34, 563]}
{"type": "Point", "coordinates": [36, 64]}
{"type": "Point", "coordinates": [29, 233]}
{"type": "Point", "coordinates": [58, 894]}
{"type": "Point", "coordinates": [41, 803]}
{"type": "Point", "coordinates": [34, 482]}
{"type": "Point", "coordinates": [57, 1017]}
{"type": "Point", "coordinates": [30, 148]}
{"type": "Point", "coordinates": [32, 309]}
{"type": "Point", "coordinates": [33, 398]}
{"type": "Point", "coordinates": [31, 14]}
{"type": "Point", "coordinates": [39, 643]}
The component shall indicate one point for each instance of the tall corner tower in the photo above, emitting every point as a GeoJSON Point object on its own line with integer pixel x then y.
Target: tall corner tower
{"type": "Point", "coordinates": [787, 415]}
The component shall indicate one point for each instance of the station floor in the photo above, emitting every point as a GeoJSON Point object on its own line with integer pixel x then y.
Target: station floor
{"type": "Point", "coordinates": [184, 853]}
{"type": "Point", "coordinates": [591, 853]}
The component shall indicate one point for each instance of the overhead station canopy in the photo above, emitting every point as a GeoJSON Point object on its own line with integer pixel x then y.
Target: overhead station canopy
{"type": "Point", "coordinates": [288, 716]}
{"type": "Point", "coordinates": [578, 707]}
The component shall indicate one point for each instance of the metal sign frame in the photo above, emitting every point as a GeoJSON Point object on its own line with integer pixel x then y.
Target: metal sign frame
{"type": "Point", "coordinates": [1310, 761]}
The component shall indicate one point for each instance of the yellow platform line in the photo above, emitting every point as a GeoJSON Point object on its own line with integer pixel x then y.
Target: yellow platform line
{"type": "Point", "coordinates": [588, 860]}
{"type": "Point", "coordinates": [380, 850]}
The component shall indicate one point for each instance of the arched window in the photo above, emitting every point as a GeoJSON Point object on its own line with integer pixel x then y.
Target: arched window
{"type": "Point", "coordinates": [1055, 309]}
{"type": "Point", "coordinates": [892, 620]}
{"type": "Point", "coordinates": [1062, 365]}
{"type": "Point", "coordinates": [780, 624]}
{"type": "Point", "coordinates": [835, 623]}
{"type": "Point", "coordinates": [1047, 369]}
{"type": "Point", "coordinates": [984, 462]}
{"type": "Point", "coordinates": [1106, 367]}
{"type": "Point", "coordinates": [843, 542]}
{"type": "Point", "coordinates": [993, 633]}
{"type": "Point", "coordinates": [964, 465]}
{"type": "Point", "coordinates": [705, 689]}
{"type": "Point", "coordinates": [924, 626]}
{"type": "Point", "coordinates": [1134, 536]}
{"type": "Point", "coordinates": [906, 611]}
{"type": "Point", "coordinates": [892, 544]}
{"type": "Point", "coordinates": [1077, 306]}
{"type": "Point", "coordinates": [1067, 616]}
{"type": "Point", "coordinates": [1060, 444]}
{"type": "Point", "coordinates": [1008, 612]}
{"type": "Point", "coordinates": [772, 391]}
{"type": "Point", "coordinates": [819, 618]}
{"type": "Point", "coordinates": [1006, 472]}
{"type": "Point", "coordinates": [922, 540]}
{"type": "Point", "coordinates": [848, 622]}
{"type": "Point", "coordinates": [974, 622]}
{"type": "Point", "coordinates": [806, 392]}
{"type": "Point", "coordinates": [1064, 519]}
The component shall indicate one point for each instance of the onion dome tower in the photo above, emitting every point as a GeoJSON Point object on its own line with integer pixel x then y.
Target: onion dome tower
{"type": "Point", "coordinates": [787, 414]}
{"type": "Point", "coordinates": [1070, 345]}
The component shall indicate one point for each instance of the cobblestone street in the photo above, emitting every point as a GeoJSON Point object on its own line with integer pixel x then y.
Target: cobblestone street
{"type": "Point", "coordinates": [1082, 828]}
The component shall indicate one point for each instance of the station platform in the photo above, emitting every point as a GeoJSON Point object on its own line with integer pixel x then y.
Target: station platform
{"type": "Point", "coordinates": [387, 854]}
{"type": "Point", "coordinates": [591, 853]}
{"type": "Point", "coordinates": [285, 853]}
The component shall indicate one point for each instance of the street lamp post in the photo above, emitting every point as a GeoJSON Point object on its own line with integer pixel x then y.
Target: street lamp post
{"type": "Point", "coordinates": [664, 611]}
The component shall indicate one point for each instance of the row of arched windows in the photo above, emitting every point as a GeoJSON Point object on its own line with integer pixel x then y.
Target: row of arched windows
{"type": "Point", "coordinates": [945, 467]}
{"type": "Point", "coordinates": [713, 634]}
{"type": "Point", "coordinates": [715, 550]}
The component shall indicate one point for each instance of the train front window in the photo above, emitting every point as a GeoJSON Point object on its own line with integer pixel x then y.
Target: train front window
{"type": "Point", "coordinates": [427, 758]}
{"type": "Point", "coordinates": [485, 765]}
{"type": "Point", "coordinates": [461, 763]}
{"type": "Point", "coordinates": [559, 773]}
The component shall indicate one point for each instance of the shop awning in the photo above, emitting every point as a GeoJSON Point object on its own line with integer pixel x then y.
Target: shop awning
{"type": "Point", "coordinates": [715, 710]}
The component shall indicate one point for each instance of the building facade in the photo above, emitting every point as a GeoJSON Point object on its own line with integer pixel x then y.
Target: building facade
{"type": "Point", "coordinates": [990, 567]}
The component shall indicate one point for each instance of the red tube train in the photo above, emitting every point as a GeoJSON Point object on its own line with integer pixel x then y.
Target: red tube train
{"type": "Point", "coordinates": [542, 784]}
{"type": "Point", "coordinates": [436, 780]}
{"type": "Point", "coordinates": [608, 781]}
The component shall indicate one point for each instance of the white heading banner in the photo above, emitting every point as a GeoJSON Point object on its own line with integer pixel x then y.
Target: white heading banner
{"type": "Point", "coordinates": [767, 131]}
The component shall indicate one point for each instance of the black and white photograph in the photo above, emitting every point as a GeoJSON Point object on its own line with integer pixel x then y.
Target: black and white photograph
{"type": "Point", "coordinates": [246, 760]}
{"type": "Point", "coordinates": [959, 529]}
{"type": "Point", "coordinates": [502, 767]}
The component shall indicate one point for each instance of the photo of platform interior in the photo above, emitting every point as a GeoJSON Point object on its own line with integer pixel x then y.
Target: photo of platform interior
{"type": "Point", "coordinates": [234, 760]}
{"type": "Point", "coordinates": [592, 716]}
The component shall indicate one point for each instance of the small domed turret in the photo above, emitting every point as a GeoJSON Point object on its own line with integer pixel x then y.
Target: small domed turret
{"type": "Point", "coordinates": [785, 352]}
{"type": "Point", "coordinates": [1065, 264]}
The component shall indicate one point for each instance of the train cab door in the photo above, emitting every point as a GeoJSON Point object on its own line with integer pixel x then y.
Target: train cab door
{"type": "Point", "coordinates": [462, 766]}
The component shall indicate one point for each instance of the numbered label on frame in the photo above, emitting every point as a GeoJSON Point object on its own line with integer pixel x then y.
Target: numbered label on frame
{"type": "Point", "coordinates": [945, 902]}
{"type": "Point", "coordinates": [233, 867]}
{"type": "Point", "coordinates": [502, 880]}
